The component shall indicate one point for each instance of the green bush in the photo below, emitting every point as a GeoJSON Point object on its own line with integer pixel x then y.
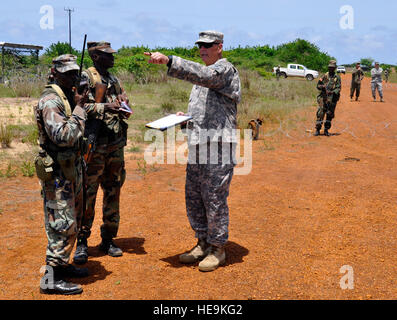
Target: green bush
{"type": "Point", "coordinates": [28, 169]}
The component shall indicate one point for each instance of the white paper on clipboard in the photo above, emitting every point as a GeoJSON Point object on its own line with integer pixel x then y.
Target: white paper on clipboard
{"type": "Point", "coordinates": [167, 122]}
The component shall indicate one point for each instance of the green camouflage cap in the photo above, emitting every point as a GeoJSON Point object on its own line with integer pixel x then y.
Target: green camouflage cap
{"type": "Point", "coordinates": [210, 37]}
{"type": "Point", "coordinates": [332, 64]}
{"type": "Point", "coordinates": [65, 63]}
{"type": "Point", "coordinates": [100, 46]}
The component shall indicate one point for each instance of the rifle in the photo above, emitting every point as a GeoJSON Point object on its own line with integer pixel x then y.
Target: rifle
{"type": "Point", "coordinates": [92, 129]}
{"type": "Point", "coordinates": [81, 85]}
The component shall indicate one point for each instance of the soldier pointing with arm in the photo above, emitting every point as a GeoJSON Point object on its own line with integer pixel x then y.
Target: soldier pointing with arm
{"type": "Point", "coordinates": [213, 106]}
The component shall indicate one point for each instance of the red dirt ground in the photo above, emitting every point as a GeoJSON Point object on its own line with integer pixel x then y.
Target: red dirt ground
{"type": "Point", "coordinates": [308, 208]}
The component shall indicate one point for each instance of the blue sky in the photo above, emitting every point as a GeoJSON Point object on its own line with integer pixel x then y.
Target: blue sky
{"type": "Point", "coordinates": [244, 22]}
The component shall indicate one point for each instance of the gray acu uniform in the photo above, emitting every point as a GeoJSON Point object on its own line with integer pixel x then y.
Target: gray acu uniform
{"type": "Point", "coordinates": [213, 107]}
{"type": "Point", "coordinates": [376, 82]}
{"type": "Point", "coordinates": [60, 136]}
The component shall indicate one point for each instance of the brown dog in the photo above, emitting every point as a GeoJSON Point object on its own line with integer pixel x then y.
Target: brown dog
{"type": "Point", "coordinates": [255, 125]}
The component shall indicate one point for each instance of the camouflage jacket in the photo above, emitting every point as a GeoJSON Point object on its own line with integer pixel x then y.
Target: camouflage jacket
{"type": "Point", "coordinates": [112, 127]}
{"type": "Point", "coordinates": [333, 86]}
{"type": "Point", "coordinates": [357, 76]}
{"type": "Point", "coordinates": [213, 100]}
{"type": "Point", "coordinates": [376, 75]}
{"type": "Point", "coordinates": [54, 127]}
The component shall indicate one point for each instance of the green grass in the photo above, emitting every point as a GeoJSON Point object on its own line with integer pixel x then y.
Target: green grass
{"type": "Point", "coordinates": [26, 133]}
{"type": "Point", "coordinates": [393, 77]}
{"type": "Point", "coordinates": [6, 136]}
{"type": "Point", "coordinates": [10, 172]}
{"type": "Point", "coordinates": [28, 169]}
{"type": "Point", "coordinates": [272, 100]}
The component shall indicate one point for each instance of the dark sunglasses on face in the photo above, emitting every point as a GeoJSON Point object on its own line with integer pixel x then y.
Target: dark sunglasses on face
{"type": "Point", "coordinates": [206, 45]}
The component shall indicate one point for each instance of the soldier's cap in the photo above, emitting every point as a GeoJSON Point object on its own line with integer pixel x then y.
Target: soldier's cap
{"type": "Point", "coordinates": [100, 46]}
{"type": "Point", "coordinates": [332, 64]}
{"type": "Point", "coordinates": [210, 37]}
{"type": "Point", "coordinates": [377, 63]}
{"type": "Point", "coordinates": [65, 63]}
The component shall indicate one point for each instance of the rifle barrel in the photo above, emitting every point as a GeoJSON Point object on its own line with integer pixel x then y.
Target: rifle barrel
{"type": "Point", "coordinates": [82, 56]}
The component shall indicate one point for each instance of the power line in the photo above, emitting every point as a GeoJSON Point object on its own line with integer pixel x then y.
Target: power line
{"type": "Point", "coordinates": [70, 27]}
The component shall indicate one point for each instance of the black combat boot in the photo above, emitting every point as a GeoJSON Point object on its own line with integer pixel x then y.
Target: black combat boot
{"type": "Point", "coordinates": [317, 133]}
{"type": "Point", "coordinates": [55, 283]}
{"type": "Point", "coordinates": [81, 254]}
{"type": "Point", "coordinates": [326, 133]}
{"type": "Point", "coordinates": [110, 248]}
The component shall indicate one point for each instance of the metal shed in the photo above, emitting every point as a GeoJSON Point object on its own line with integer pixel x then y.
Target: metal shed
{"type": "Point", "coordinates": [17, 49]}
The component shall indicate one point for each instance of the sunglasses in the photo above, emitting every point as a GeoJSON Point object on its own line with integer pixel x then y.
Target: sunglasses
{"type": "Point", "coordinates": [206, 45]}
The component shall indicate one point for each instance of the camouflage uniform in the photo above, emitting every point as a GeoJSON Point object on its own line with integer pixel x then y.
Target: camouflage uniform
{"type": "Point", "coordinates": [213, 106]}
{"type": "Point", "coordinates": [327, 104]}
{"type": "Point", "coordinates": [387, 73]}
{"type": "Point", "coordinates": [106, 167]}
{"type": "Point", "coordinates": [60, 136]}
{"type": "Point", "coordinates": [357, 77]}
{"type": "Point", "coordinates": [376, 83]}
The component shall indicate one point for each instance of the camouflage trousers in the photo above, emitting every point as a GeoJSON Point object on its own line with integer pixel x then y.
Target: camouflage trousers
{"type": "Point", "coordinates": [327, 111]}
{"type": "Point", "coordinates": [63, 210]}
{"type": "Point", "coordinates": [355, 88]}
{"type": "Point", "coordinates": [377, 86]}
{"type": "Point", "coordinates": [206, 192]}
{"type": "Point", "coordinates": [107, 170]}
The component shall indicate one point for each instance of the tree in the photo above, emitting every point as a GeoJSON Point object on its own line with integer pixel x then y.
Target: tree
{"type": "Point", "coordinates": [367, 62]}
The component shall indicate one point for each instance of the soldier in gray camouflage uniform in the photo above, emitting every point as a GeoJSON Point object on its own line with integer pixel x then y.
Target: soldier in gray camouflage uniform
{"type": "Point", "coordinates": [106, 167]}
{"type": "Point", "coordinates": [60, 118]}
{"type": "Point", "coordinates": [213, 107]}
{"type": "Point", "coordinates": [377, 82]}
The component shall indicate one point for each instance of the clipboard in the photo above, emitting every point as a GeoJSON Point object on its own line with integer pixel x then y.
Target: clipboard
{"type": "Point", "coordinates": [167, 122]}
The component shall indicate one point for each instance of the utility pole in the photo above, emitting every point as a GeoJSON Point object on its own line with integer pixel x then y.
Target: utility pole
{"type": "Point", "coordinates": [70, 27]}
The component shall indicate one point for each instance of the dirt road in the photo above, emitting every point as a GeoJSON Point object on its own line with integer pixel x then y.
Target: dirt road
{"type": "Point", "coordinates": [310, 206]}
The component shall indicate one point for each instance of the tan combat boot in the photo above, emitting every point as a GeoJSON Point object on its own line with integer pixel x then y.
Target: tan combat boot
{"type": "Point", "coordinates": [215, 258]}
{"type": "Point", "coordinates": [196, 254]}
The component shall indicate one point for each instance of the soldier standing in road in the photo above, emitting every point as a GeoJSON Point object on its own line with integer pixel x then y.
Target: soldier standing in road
{"type": "Point", "coordinates": [213, 106]}
{"type": "Point", "coordinates": [330, 86]}
{"type": "Point", "coordinates": [60, 118]}
{"type": "Point", "coordinates": [357, 77]}
{"type": "Point", "coordinates": [387, 73]}
{"type": "Point", "coordinates": [105, 166]}
{"type": "Point", "coordinates": [376, 83]}
{"type": "Point", "coordinates": [278, 72]}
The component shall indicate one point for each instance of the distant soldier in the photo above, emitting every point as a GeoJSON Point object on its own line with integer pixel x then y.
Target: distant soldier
{"type": "Point", "coordinates": [105, 163]}
{"type": "Point", "coordinates": [387, 73]}
{"type": "Point", "coordinates": [376, 83]}
{"type": "Point", "coordinates": [278, 72]}
{"type": "Point", "coordinates": [330, 86]}
{"type": "Point", "coordinates": [60, 118]}
{"type": "Point", "coordinates": [357, 77]}
{"type": "Point", "coordinates": [213, 107]}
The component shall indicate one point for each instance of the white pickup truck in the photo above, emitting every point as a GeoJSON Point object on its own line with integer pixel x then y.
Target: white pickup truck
{"type": "Point", "coordinates": [297, 70]}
